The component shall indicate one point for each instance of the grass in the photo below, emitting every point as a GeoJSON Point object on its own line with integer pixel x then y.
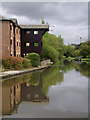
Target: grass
{"type": "Point", "coordinates": [85, 59]}
{"type": "Point", "coordinates": [70, 58]}
{"type": "Point", "coordinates": [73, 58]}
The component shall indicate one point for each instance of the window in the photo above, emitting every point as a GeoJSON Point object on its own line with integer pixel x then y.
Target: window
{"type": "Point", "coordinates": [35, 32]}
{"type": "Point", "coordinates": [17, 54]}
{"type": "Point", "coordinates": [27, 32]}
{"type": "Point", "coordinates": [17, 86]}
{"type": "Point", "coordinates": [35, 44]}
{"type": "Point", "coordinates": [10, 41]}
{"type": "Point", "coordinates": [17, 43]}
{"type": "Point", "coordinates": [11, 54]}
{"type": "Point", "coordinates": [10, 27]}
{"type": "Point", "coordinates": [24, 54]}
{"type": "Point", "coordinates": [27, 44]}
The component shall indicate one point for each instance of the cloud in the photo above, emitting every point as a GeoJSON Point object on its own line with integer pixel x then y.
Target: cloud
{"type": "Point", "coordinates": [69, 18]}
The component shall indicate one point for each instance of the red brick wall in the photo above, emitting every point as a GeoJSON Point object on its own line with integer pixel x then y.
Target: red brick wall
{"type": "Point", "coordinates": [7, 34]}
{"type": "Point", "coordinates": [0, 39]}
{"type": "Point", "coordinates": [5, 42]}
{"type": "Point", "coordinates": [17, 42]}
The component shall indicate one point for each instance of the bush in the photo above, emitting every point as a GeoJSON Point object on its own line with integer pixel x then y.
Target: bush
{"type": "Point", "coordinates": [16, 63]}
{"type": "Point", "coordinates": [34, 59]}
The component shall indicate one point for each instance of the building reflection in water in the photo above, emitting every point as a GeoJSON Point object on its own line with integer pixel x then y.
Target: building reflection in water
{"type": "Point", "coordinates": [33, 93]}
{"type": "Point", "coordinates": [13, 95]}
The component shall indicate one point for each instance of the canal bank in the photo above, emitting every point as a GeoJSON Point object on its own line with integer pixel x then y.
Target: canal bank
{"type": "Point", "coordinates": [13, 73]}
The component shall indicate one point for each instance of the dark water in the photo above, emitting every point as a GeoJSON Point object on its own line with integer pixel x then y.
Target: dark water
{"type": "Point", "coordinates": [58, 91]}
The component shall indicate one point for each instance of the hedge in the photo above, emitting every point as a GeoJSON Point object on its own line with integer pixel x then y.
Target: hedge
{"type": "Point", "coordinates": [16, 63]}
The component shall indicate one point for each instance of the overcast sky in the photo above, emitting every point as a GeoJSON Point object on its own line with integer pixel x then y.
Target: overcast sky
{"type": "Point", "coordinates": [69, 19]}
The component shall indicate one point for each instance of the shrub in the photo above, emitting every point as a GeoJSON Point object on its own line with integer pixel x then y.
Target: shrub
{"type": "Point", "coordinates": [16, 63]}
{"type": "Point", "coordinates": [34, 59]}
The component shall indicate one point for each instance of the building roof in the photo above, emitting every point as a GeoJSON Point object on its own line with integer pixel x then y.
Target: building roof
{"type": "Point", "coordinates": [3, 18]}
{"type": "Point", "coordinates": [7, 19]}
{"type": "Point", "coordinates": [45, 26]}
{"type": "Point", "coordinates": [14, 20]}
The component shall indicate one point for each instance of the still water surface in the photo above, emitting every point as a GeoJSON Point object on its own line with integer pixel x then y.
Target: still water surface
{"type": "Point", "coordinates": [60, 91]}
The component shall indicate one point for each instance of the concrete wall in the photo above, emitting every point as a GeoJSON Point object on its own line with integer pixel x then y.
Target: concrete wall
{"type": "Point", "coordinates": [46, 62]}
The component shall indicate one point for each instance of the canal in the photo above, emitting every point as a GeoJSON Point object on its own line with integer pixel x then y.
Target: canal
{"type": "Point", "coordinates": [59, 91]}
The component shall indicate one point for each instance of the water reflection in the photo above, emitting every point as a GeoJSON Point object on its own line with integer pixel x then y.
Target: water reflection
{"type": "Point", "coordinates": [11, 97]}
{"type": "Point", "coordinates": [31, 87]}
{"type": "Point", "coordinates": [33, 91]}
{"type": "Point", "coordinates": [83, 68]}
{"type": "Point", "coordinates": [34, 87]}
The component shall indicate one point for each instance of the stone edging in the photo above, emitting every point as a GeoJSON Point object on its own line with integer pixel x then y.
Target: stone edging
{"type": "Point", "coordinates": [8, 75]}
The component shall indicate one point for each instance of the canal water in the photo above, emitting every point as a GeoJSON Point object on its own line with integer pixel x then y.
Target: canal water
{"type": "Point", "coordinates": [59, 91]}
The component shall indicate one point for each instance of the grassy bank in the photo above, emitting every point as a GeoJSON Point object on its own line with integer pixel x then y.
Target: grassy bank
{"type": "Point", "coordinates": [85, 59]}
{"type": "Point", "coordinates": [70, 58]}
{"type": "Point", "coordinates": [73, 58]}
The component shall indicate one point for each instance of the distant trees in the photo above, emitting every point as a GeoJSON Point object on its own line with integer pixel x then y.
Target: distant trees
{"type": "Point", "coordinates": [77, 53]}
{"type": "Point", "coordinates": [69, 51]}
{"type": "Point", "coordinates": [83, 50]}
{"type": "Point", "coordinates": [55, 49]}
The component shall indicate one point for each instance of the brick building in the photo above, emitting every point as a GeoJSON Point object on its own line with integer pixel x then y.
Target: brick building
{"type": "Point", "coordinates": [19, 40]}
{"type": "Point", "coordinates": [10, 41]}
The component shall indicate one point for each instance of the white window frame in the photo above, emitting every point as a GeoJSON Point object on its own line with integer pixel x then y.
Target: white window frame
{"type": "Point", "coordinates": [27, 44]}
{"type": "Point", "coordinates": [35, 32]}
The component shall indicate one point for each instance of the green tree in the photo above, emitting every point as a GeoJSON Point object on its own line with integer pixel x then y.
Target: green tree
{"type": "Point", "coordinates": [43, 21]}
{"type": "Point", "coordinates": [77, 53]}
{"type": "Point", "coordinates": [70, 51]}
{"type": "Point", "coordinates": [51, 47]}
{"type": "Point", "coordinates": [85, 49]}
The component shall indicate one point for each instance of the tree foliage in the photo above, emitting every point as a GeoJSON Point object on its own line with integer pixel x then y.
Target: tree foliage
{"type": "Point", "coordinates": [52, 47]}
{"type": "Point", "coordinates": [69, 51]}
{"type": "Point", "coordinates": [43, 21]}
{"type": "Point", "coordinates": [83, 50]}
{"type": "Point", "coordinates": [55, 49]}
